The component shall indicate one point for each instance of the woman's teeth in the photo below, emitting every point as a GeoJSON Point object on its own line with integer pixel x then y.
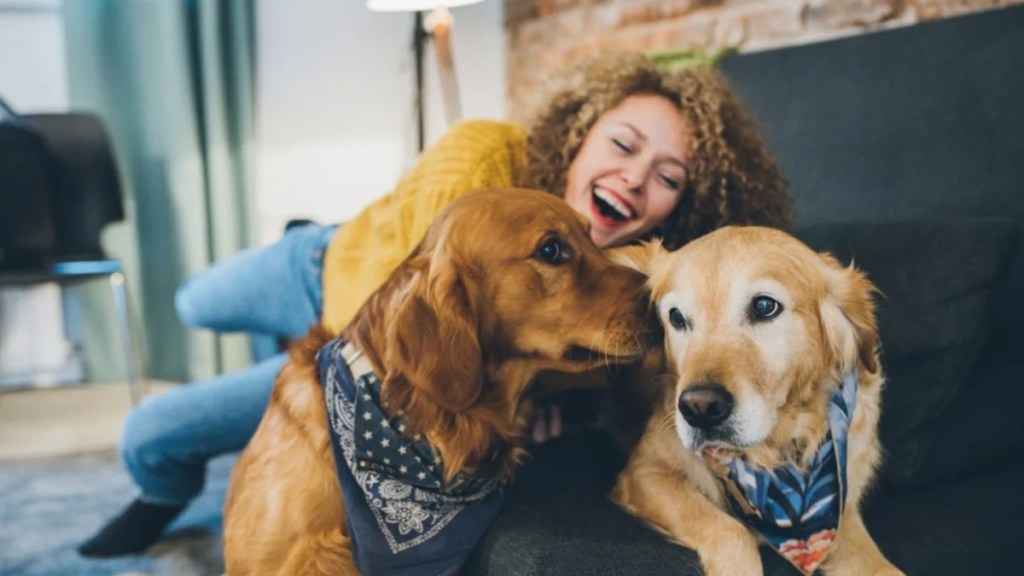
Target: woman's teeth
{"type": "Point", "coordinates": [607, 201]}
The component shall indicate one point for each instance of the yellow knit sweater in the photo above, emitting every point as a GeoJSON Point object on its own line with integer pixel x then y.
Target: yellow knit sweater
{"type": "Point", "coordinates": [363, 253]}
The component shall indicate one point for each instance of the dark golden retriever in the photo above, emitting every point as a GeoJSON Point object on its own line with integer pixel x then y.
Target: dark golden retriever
{"type": "Point", "coordinates": [506, 284]}
{"type": "Point", "coordinates": [759, 333]}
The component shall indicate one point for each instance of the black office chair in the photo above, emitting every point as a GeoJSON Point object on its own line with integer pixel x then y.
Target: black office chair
{"type": "Point", "coordinates": [60, 188]}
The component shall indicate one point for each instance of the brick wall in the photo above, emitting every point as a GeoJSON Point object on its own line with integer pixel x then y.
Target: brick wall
{"type": "Point", "coordinates": [544, 35]}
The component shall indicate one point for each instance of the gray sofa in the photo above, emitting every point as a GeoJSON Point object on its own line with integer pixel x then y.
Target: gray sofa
{"type": "Point", "coordinates": [906, 154]}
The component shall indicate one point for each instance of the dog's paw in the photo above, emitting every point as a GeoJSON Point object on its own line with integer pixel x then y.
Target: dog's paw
{"type": "Point", "coordinates": [859, 569]}
{"type": "Point", "coordinates": [734, 567]}
{"type": "Point", "coordinates": [737, 557]}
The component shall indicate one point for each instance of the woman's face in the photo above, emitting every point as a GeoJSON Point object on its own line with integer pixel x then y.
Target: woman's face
{"type": "Point", "coordinates": [631, 169]}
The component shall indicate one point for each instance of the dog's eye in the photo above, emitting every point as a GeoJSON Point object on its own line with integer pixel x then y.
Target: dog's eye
{"type": "Point", "coordinates": [676, 319]}
{"type": "Point", "coordinates": [764, 308]}
{"type": "Point", "coordinates": [552, 251]}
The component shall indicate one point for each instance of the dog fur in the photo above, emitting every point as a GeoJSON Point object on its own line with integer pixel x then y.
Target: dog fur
{"type": "Point", "coordinates": [456, 334]}
{"type": "Point", "coordinates": [781, 373]}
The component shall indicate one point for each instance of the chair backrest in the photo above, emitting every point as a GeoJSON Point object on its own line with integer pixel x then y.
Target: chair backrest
{"type": "Point", "coordinates": [87, 190]}
{"type": "Point", "coordinates": [26, 189]}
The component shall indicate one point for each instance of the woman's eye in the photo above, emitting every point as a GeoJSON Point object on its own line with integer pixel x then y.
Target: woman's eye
{"type": "Point", "coordinates": [764, 308]}
{"type": "Point", "coordinates": [671, 183]}
{"type": "Point", "coordinates": [552, 251]}
{"type": "Point", "coordinates": [676, 319]}
{"type": "Point", "coordinates": [622, 145]}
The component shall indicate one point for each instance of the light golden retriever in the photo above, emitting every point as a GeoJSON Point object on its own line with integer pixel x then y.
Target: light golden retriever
{"type": "Point", "coordinates": [505, 284]}
{"type": "Point", "coordinates": [759, 332]}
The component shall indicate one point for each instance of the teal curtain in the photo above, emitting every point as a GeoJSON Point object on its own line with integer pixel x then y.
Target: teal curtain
{"type": "Point", "coordinates": [173, 82]}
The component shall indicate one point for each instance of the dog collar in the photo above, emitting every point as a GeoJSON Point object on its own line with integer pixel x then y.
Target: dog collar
{"type": "Point", "coordinates": [796, 511]}
{"type": "Point", "coordinates": [403, 518]}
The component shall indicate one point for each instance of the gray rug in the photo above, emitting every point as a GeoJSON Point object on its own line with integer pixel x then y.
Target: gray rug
{"type": "Point", "coordinates": [48, 507]}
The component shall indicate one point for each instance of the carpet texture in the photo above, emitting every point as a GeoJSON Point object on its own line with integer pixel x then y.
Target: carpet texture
{"type": "Point", "coordinates": [47, 507]}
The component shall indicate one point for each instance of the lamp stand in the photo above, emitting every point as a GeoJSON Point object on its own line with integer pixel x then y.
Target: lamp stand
{"type": "Point", "coordinates": [437, 25]}
{"type": "Point", "coordinates": [419, 41]}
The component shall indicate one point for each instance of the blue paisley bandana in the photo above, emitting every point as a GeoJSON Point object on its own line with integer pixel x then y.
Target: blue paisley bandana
{"type": "Point", "coordinates": [403, 518]}
{"type": "Point", "coordinates": [796, 511]}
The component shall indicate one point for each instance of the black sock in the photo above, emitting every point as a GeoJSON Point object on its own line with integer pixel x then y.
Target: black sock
{"type": "Point", "coordinates": [134, 530]}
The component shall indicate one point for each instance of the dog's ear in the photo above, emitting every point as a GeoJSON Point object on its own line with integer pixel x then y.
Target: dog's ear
{"type": "Point", "coordinates": [640, 257]}
{"type": "Point", "coordinates": [432, 336]}
{"type": "Point", "coordinates": [848, 316]}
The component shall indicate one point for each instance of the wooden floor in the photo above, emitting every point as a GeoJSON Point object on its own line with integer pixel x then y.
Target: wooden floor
{"type": "Point", "coordinates": [44, 423]}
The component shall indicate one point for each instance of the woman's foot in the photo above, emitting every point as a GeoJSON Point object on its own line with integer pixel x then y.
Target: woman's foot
{"type": "Point", "coordinates": [134, 530]}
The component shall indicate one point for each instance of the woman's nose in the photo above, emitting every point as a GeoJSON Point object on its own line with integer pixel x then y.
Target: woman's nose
{"type": "Point", "coordinates": [633, 176]}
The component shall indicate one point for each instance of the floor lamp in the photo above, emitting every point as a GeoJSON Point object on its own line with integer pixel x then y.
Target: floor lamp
{"type": "Point", "coordinates": [433, 21]}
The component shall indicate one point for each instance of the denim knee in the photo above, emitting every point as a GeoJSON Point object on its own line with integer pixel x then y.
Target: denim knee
{"type": "Point", "coordinates": [148, 453]}
{"type": "Point", "coordinates": [188, 305]}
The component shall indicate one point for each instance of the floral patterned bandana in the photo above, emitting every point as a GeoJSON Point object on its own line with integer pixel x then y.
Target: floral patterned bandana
{"type": "Point", "coordinates": [796, 511]}
{"type": "Point", "coordinates": [403, 518]}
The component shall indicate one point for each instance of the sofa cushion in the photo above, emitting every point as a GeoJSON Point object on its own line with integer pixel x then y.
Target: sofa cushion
{"type": "Point", "coordinates": [981, 427]}
{"type": "Point", "coordinates": [557, 520]}
{"type": "Point", "coordinates": [912, 123]}
{"type": "Point", "coordinates": [970, 526]}
{"type": "Point", "coordinates": [938, 280]}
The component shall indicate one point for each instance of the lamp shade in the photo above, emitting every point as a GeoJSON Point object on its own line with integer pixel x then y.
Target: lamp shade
{"type": "Point", "coordinates": [414, 5]}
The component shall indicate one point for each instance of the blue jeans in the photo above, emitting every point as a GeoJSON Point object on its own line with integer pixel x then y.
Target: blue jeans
{"type": "Point", "coordinates": [276, 290]}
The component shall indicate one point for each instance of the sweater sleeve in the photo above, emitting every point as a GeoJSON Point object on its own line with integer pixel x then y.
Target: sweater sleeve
{"type": "Point", "coordinates": [363, 253]}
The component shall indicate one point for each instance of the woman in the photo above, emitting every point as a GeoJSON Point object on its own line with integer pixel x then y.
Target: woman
{"type": "Point", "coordinates": [639, 152]}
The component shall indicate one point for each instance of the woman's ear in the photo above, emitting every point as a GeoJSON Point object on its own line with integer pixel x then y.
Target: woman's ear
{"type": "Point", "coordinates": [432, 337]}
{"type": "Point", "coordinates": [847, 312]}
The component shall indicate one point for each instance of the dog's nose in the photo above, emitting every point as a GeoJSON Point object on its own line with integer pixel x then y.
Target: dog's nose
{"type": "Point", "coordinates": [706, 405]}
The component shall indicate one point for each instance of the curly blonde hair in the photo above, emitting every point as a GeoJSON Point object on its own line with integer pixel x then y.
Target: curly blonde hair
{"type": "Point", "coordinates": [732, 178]}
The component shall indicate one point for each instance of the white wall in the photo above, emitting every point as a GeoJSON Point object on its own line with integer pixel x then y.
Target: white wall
{"type": "Point", "coordinates": [335, 110]}
{"type": "Point", "coordinates": [32, 77]}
